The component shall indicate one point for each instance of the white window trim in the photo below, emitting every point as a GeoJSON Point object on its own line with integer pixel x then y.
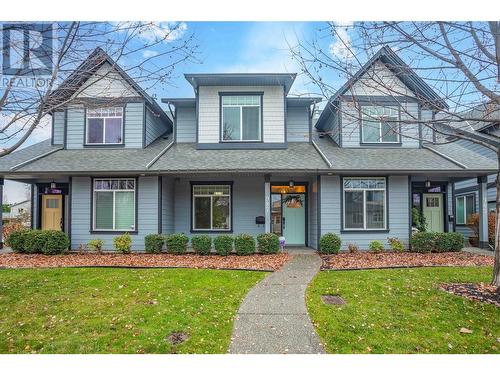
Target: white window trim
{"type": "Point", "coordinates": [104, 118]}
{"type": "Point", "coordinates": [364, 190]}
{"type": "Point", "coordinates": [372, 119]}
{"type": "Point", "coordinates": [211, 196]}
{"type": "Point", "coordinates": [240, 106]}
{"type": "Point", "coordinates": [464, 197]}
{"type": "Point", "coordinates": [94, 191]}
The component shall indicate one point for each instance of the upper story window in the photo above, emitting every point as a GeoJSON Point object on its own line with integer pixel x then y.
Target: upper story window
{"type": "Point", "coordinates": [104, 126]}
{"type": "Point", "coordinates": [241, 118]}
{"type": "Point", "coordinates": [380, 124]}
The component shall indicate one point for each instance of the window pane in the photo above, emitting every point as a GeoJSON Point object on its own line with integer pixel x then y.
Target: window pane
{"type": "Point", "coordinates": [460, 210]}
{"type": "Point", "coordinates": [231, 124]}
{"type": "Point", "coordinates": [353, 209]}
{"type": "Point", "coordinates": [104, 210]}
{"type": "Point", "coordinates": [113, 130]}
{"type": "Point", "coordinates": [251, 126]}
{"type": "Point", "coordinates": [469, 206]}
{"type": "Point", "coordinates": [371, 131]}
{"type": "Point", "coordinates": [124, 210]}
{"type": "Point", "coordinates": [202, 212]}
{"type": "Point", "coordinates": [95, 130]}
{"type": "Point", "coordinates": [220, 212]}
{"type": "Point", "coordinates": [389, 131]}
{"type": "Point", "coordinates": [375, 209]}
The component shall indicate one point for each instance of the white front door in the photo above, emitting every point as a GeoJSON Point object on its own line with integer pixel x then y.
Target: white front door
{"type": "Point", "coordinates": [432, 207]}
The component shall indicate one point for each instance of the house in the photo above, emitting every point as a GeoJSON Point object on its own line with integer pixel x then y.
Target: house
{"type": "Point", "coordinates": [19, 210]}
{"type": "Point", "coordinates": [241, 156]}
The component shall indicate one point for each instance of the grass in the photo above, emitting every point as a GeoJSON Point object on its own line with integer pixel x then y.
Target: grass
{"type": "Point", "coordinates": [403, 311]}
{"type": "Point", "coordinates": [90, 310]}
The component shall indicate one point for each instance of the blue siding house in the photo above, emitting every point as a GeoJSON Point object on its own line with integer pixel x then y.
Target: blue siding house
{"type": "Point", "coordinates": [243, 156]}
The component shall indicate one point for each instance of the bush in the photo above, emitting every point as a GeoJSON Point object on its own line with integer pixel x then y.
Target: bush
{"type": "Point", "coordinates": [396, 245]}
{"type": "Point", "coordinates": [445, 242]}
{"type": "Point", "coordinates": [96, 245]}
{"type": "Point", "coordinates": [473, 224]}
{"type": "Point", "coordinates": [244, 244]}
{"type": "Point", "coordinates": [268, 243]}
{"type": "Point", "coordinates": [202, 244]}
{"type": "Point", "coordinates": [223, 244]}
{"type": "Point", "coordinates": [177, 243]}
{"type": "Point", "coordinates": [376, 246]}
{"type": "Point", "coordinates": [153, 243]}
{"type": "Point", "coordinates": [56, 242]}
{"type": "Point", "coordinates": [35, 241]}
{"type": "Point", "coordinates": [418, 220]}
{"type": "Point", "coordinates": [123, 243]}
{"type": "Point", "coordinates": [423, 242]}
{"type": "Point", "coordinates": [352, 248]}
{"type": "Point", "coordinates": [13, 226]}
{"type": "Point", "coordinates": [329, 243]}
{"type": "Point", "coordinates": [16, 240]}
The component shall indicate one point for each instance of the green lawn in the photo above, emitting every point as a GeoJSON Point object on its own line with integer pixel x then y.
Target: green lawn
{"type": "Point", "coordinates": [119, 310]}
{"type": "Point", "coordinates": [402, 311]}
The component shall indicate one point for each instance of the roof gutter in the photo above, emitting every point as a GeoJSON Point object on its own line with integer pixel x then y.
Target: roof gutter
{"type": "Point", "coordinates": [159, 155]}
{"type": "Point", "coordinates": [445, 156]}
{"type": "Point", "coordinates": [323, 156]}
{"type": "Point", "coordinates": [26, 162]}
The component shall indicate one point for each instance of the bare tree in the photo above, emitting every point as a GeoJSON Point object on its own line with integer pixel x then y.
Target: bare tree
{"type": "Point", "coordinates": [148, 52]}
{"type": "Point", "coordinates": [459, 60]}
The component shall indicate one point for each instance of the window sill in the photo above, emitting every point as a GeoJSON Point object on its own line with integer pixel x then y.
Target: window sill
{"type": "Point", "coordinates": [131, 232]}
{"type": "Point", "coordinates": [210, 231]}
{"type": "Point", "coordinates": [86, 145]}
{"type": "Point", "coordinates": [365, 231]}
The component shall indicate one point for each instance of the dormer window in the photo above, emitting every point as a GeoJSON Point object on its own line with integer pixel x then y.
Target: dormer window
{"type": "Point", "coordinates": [241, 117]}
{"type": "Point", "coordinates": [104, 126]}
{"type": "Point", "coordinates": [380, 124]}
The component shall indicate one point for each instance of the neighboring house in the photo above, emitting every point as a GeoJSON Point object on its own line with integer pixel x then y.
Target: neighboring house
{"type": "Point", "coordinates": [241, 156]}
{"type": "Point", "coordinates": [19, 210]}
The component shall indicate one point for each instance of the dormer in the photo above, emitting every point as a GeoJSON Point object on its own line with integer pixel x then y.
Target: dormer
{"type": "Point", "coordinates": [100, 105]}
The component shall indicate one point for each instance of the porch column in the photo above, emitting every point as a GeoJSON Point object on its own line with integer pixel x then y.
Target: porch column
{"type": "Point", "coordinates": [1, 213]}
{"type": "Point", "coordinates": [267, 202]}
{"type": "Point", "coordinates": [483, 212]}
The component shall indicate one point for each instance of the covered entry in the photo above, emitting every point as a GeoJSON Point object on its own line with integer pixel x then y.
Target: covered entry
{"type": "Point", "coordinates": [289, 212]}
{"type": "Point", "coordinates": [429, 198]}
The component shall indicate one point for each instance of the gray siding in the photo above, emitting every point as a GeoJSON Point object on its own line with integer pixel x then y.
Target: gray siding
{"type": "Point", "coordinates": [297, 123]}
{"type": "Point", "coordinates": [58, 128]}
{"type": "Point", "coordinates": [398, 212]}
{"type": "Point", "coordinates": [81, 207]}
{"type": "Point", "coordinates": [75, 127]}
{"type": "Point", "coordinates": [313, 214]}
{"type": "Point", "coordinates": [186, 125]}
{"type": "Point", "coordinates": [168, 205]}
{"type": "Point", "coordinates": [155, 126]}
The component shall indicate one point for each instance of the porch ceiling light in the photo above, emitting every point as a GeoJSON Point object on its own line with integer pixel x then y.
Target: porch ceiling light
{"type": "Point", "coordinates": [53, 185]}
{"type": "Point", "coordinates": [291, 183]}
{"type": "Point", "coordinates": [427, 184]}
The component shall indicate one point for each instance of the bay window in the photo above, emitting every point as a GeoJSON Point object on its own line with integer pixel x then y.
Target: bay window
{"type": "Point", "coordinates": [380, 124]}
{"type": "Point", "coordinates": [104, 126]}
{"type": "Point", "coordinates": [464, 208]}
{"type": "Point", "coordinates": [211, 207]}
{"type": "Point", "coordinates": [241, 118]}
{"type": "Point", "coordinates": [364, 203]}
{"type": "Point", "coordinates": [114, 204]}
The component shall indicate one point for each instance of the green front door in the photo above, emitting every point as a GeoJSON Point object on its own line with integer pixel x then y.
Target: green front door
{"type": "Point", "coordinates": [432, 207]}
{"type": "Point", "coordinates": [294, 218]}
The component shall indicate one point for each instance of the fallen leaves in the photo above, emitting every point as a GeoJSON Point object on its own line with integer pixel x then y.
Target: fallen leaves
{"type": "Point", "coordinates": [465, 330]}
{"type": "Point", "coordinates": [365, 260]}
{"type": "Point", "coordinates": [477, 292]}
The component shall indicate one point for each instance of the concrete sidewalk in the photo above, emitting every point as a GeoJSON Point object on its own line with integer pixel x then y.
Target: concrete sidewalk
{"type": "Point", "coordinates": [273, 317]}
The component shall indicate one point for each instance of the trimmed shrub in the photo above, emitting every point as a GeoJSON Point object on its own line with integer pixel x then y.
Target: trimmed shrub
{"type": "Point", "coordinates": [423, 242]}
{"type": "Point", "coordinates": [352, 248]}
{"type": "Point", "coordinates": [244, 244]}
{"type": "Point", "coordinates": [445, 242]}
{"type": "Point", "coordinates": [153, 243]}
{"type": "Point", "coordinates": [329, 243]}
{"type": "Point", "coordinates": [396, 244]}
{"type": "Point", "coordinates": [223, 244]}
{"type": "Point", "coordinates": [96, 245]}
{"type": "Point", "coordinates": [16, 240]}
{"type": "Point", "coordinates": [177, 243]}
{"type": "Point", "coordinates": [268, 243]}
{"type": "Point", "coordinates": [12, 227]}
{"type": "Point", "coordinates": [123, 243]}
{"type": "Point", "coordinates": [35, 241]}
{"type": "Point", "coordinates": [202, 244]}
{"type": "Point", "coordinates": [376, 246]}
{"type": "Point", "coordinates": [56, 242]}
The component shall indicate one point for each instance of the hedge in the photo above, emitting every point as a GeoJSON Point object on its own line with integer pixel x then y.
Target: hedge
{"type": "Point", "coordinates": [153, 243]}
{"type": "Point", "coordinates": [56, 242]}
{"type": "Point", "coordinates": [17, 239]}
{"type": "Point", "coordinates": [329, 243]}
{"type": "Point", "coordinates": [244, 244]}
{"type": "Point", "coordinates": [426, 242]}
{"type": "Point", "coordinates": [268, 243]}
{"type": "Point", "coordinates": [223, 244]}
{"type": "Point", "coordinates": [202, 244]}
{"type": "Point", "coordinates": [35, 241]}
{"type": "Point", "coordinates": [177, 243]}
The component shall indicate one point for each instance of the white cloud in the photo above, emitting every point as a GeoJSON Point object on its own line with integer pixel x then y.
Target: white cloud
{"type": "Point", "coordinates": [149, 53]}
{"type": "Point", "coordinates": [153, 32]}
{"type": "Point", "coordinates": [341, 47]}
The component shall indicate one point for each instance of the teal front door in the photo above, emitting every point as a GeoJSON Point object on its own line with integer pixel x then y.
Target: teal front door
{"type": "Point", "coordinates": [294, 218]}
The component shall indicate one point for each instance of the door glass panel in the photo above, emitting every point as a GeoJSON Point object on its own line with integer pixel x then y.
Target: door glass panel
{"type": "Point", "coordinates": [276, 214]}
{"type": "Point", "coordinates": [52, 203]}
{"type": "Point", "coordinates": [124, 210]}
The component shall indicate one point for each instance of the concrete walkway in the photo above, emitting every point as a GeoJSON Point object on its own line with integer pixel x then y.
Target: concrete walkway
{"type": "Point", "coordinates": [477, 250]}
{"type": "Point", "coordinates": [273, 317]}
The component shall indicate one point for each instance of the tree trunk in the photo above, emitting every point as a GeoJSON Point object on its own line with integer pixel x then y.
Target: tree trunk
{"type": "Point", "coordinates": [496, 268]}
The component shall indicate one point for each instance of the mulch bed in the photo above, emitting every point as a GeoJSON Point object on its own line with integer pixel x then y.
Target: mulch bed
{"type": "Point", "coordinates": [365, 260]}
{"type": "Point", "coordinates": [250, 262]}
{"type": "Point", "coordinates": [476, 292]}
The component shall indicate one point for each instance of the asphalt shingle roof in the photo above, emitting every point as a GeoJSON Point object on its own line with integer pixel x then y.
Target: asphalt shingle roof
{"type": "Point", "coordinates": [25, 154]}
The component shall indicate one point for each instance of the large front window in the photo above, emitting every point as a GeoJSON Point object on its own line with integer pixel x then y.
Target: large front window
{"type": "Point", "coordinates": [364, 203]}
{"type": "Point", "coordinates": [104, 126]}
{"type": "Point", "coordinates": [212, 207]}
{"type": "Point", "coordinates": [114, 204]}
{"type": "Point", "coordinates": [380, 124]}
{"type": "Point", "coordinates": [464, 208]}
{"type": "Point", "coordinates": [241, 118]}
